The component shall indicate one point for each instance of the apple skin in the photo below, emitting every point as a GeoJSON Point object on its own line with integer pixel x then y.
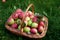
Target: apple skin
{"type": "Point", "coordinates": [14, 26]}
{"type": "Point", "coordinates": [34, 25]}
{"type": "Point", "coordinates": [41, 23]}
{"type": "Point", "coordinates": [27, 18]}
{"type": "Point", "coordinates": [19, 27]}
{"type": "Point", "coordinates": [18, 11]}
{"type": "Point", "coordinates": [29, 22]}
{"type": "Point", "coordinates": [26, 29]}
{"type": "Point", "coordinates": [30, 14]}
{"type": "Point", "coordinates": [10, 21]}
{"type": "Point", "coordinates": [21, 15]}
{"type": "Point", "coordinates": [34, 19]}
{"type": "Point", "coordinates": [33, 30]}
{"type": "Point", "coordinates": [15, 16]}
{"type": "Point", "coordinates": [18, 21]}
{"type": "Point", "coordinates": [3, 0]}
{"type": "Point", "coordinates": [40, 29]}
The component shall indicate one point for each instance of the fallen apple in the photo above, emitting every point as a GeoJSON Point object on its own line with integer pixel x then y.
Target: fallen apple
{"type": "Point", "coordinates": [10, 21]}
{"type": "Point", "coordinates": [33, 30]}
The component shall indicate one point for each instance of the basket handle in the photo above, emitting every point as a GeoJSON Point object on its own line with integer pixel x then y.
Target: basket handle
{"type": "Point", "coordinates": [31, 5]}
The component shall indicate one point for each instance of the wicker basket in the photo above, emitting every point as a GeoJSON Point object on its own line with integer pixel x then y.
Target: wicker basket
{"type": "Point", "coordinates": [17, 32]}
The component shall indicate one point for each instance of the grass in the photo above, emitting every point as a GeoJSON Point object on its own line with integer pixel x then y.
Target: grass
{"type": "Point", "coordinates": [51, 7]}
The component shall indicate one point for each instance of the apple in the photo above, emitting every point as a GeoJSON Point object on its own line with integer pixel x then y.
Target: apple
{"type": "Point", "coordinates": [27, 18]}
{"type": "Point", "coordinates": [41, 23]}
{"type": "Point", "coordinates": [40, 29]}
{"type": "Point", "coordinates": [14, 26]}
{"type": "Point", "coordinates": [3, 0]}
{"type": "Point", "coordinates": [30, 14]}
{"type": "Point", "coordinates": [29, 22]}
{"type": "Point", "coordinates": [34, 25]}
{"type": "Point", "coordinates": [21, 15]}
{"type": "Point", "coordinates": [10, 21]}
{"type": "Point", "coordinates": [33, 30]}
{"type": "Point", "coordinates": [26, 29]}
{"type": "Point", "coordinates": [43, 19]}
{"type": "Point", "coordinates": [18, 11]}
{"type": "Point", "coordinates": [19, 27]}
{"type": "Point", "coordinates": [18, 21]}
{"type": "Point", "coordinates": [27, 14]}
{"type": "Point", "coordinates": [15, 16]}
{"type": "Point", "coordinates": [34, 19]}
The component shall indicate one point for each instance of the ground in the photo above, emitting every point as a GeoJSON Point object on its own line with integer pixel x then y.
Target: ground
{"type": "Point", "coordinates": [49, 8]}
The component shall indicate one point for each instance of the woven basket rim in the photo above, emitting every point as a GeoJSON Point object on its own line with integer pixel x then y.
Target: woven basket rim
{"type": "Point", "coordinates": [17, 32]}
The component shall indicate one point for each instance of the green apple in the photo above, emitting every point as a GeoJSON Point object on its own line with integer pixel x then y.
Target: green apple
{"type": "Point", "coordinates": [29, 22]}
{"type": "Point", "coordinates": [18, 21]}
{"type": "Point", "coordinates": [26, 29]}
{"type": "Point", "coordinates": [27, 18]}
{"type": "Point", "coordinates": [10, 21]}
{"type": "Point", "coordinates": [34, 25]}
{"type": "Point", "coordinates": [19, 27]}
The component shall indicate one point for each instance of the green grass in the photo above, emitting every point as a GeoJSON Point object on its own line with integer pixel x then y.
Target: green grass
{"type": "Point", "coordinates": [51, 7]}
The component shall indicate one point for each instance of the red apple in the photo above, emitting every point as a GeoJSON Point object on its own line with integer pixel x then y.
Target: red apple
{"type": "Point", "coordinates": [30, 14]}
{"type": "Point", "coordinates": [14, 26]}
{"type": "Point", "coordinates": [3, 0]}
{"type": "Point", "coordinates": [27, 14]}
{"type": "Point", "coordinates": [15, 16]}
{"type": "Point", "coordinates": [34, 19]}
{"type": "Point", "coordinates": [41, 23]}
{"type": "Point", "coordinates": [21, 15]}
{"type": "Point", "coordinates": [33, 30]}
{"type": "Point", "coordinates": [40, 29]}
{"type": "Point", "coordinates": [18, 11]}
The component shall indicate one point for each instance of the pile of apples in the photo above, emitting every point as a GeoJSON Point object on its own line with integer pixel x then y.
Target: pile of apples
{"type": "Point", "coordinates": [31, 25]}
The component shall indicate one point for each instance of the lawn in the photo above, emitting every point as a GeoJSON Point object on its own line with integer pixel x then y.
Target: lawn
{"type": "Point", "coordinates": [50, 7]}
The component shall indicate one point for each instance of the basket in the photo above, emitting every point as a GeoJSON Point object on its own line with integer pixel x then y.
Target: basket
{"type": "Point", "coordinates": [25, 34]}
